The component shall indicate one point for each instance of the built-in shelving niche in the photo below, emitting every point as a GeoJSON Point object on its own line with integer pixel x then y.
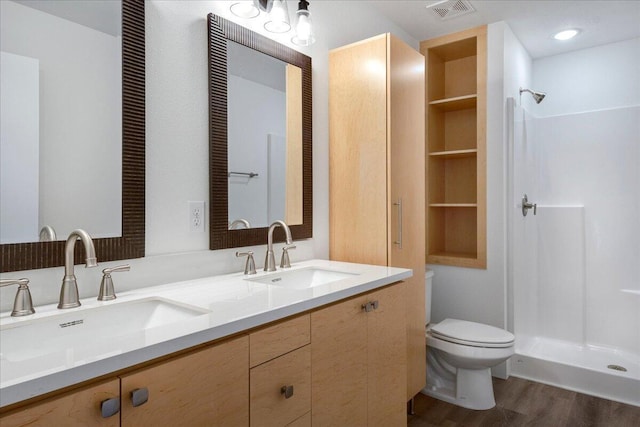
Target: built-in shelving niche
{"type": "Point", "coordinates": [456, 148]}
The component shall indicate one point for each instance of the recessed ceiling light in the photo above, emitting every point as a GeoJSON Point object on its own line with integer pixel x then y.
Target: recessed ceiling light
{"type": "Point", "coordinates": [566, 34]}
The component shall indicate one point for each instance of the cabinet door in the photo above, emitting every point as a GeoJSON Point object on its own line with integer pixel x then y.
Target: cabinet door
{"type": "Point", "coordinates": [407, 184]}
{"type": "Point", "coordinates": [386, 358]}
{"type": "Point", "coordinates": [339, 364]}
{"type": "Point", "coordinates": [358, 152]}
{"type": "Point", "coordinates": [77, 408]}
{"type": "Point", "coordinates": [208, 387]}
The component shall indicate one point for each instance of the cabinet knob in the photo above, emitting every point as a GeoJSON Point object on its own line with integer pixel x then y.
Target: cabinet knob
{"type": "Point", "coordinates": [110, 407]}
{"type": "Point", "coordinates": [139, 396]}
{"type": "Point", "coordinates": [370, 306]}
{"type": "Point", "coordinates": [287, 390]}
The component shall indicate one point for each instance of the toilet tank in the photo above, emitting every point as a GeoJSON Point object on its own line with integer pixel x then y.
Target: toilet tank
{"type": "Point", "coordinates": [428, 286]}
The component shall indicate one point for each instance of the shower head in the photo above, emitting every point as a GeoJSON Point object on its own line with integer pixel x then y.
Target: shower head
{"type": "Point", "coordinates": [537, 96]}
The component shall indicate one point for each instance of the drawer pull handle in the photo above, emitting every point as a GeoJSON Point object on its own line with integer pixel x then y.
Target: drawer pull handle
{"type": "Point", "coordinates": [399, 241]}
{"type": "Point", "coordinates": [370, 306]}
{"type": "Point", "coordinates": [287, 390]}
{"type": "Point", "coordinates": [139, 396]}
{"type": "Point", "coordinates": [109, 407]}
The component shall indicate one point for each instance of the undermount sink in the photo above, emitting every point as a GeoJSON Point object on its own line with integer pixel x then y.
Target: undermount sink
{"type": "Point", "coordinates": [87, 334]}
{"type": "Point", "coordinates": [303, 278]}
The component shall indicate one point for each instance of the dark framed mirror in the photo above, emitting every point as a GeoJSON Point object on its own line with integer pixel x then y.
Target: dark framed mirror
{"type": "Point", "coordinates": [295, 199]}
{"type": "Point", "coordinates": [131, 240]}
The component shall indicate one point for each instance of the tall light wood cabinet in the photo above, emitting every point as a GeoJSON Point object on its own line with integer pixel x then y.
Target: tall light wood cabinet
{"type": "Point", "coordinates": [376, 171]}
{"type": "Point", "coordinates": [456, 148]}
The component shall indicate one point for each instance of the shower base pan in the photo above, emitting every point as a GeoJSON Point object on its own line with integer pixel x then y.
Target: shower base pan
{"type": "Point", "coordinates": [603, 372]}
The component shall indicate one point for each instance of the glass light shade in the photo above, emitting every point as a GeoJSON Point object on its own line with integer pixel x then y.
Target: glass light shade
{"type": "Point", "coordinates": [278, 20]}
{"type": "Point", "coordinates": [245, 9]}
{"type": "Point", "coordinates": [304, 29]}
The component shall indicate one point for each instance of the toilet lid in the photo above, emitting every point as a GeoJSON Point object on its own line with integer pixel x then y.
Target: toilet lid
{"type": "Point", "coordinates": [472, 333]}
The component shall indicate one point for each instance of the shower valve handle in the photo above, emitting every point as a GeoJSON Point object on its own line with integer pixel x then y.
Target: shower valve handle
{"type": "Point", "coordinates": [526, 206]}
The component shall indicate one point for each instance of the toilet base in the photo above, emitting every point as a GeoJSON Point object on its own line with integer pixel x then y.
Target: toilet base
{"type": "Point", "coordinates": [460, 372]}
{"type": "Point", "coordinates": [469, 388]}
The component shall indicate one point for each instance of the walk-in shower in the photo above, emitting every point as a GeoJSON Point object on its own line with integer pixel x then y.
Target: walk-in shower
{"type": "Point", "coordinates": [573, 267]}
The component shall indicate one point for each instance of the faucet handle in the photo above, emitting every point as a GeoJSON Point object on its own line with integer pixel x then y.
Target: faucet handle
{"type": "Point", "coordinates": [107, 292]}
{"type": "Point", "coordinates": [22, 304]}
{"type": "Point", "coordinates": [284, 261]}
{"type": "Point", "coordinates": [250, 265]}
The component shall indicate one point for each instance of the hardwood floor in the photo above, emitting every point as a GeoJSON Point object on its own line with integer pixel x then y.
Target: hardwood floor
{"type": "Point", "coordinates": [525, 403]}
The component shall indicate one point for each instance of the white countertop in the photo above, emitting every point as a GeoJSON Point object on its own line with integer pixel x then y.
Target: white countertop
{"type": "Point", "coordinates": [235, 304]}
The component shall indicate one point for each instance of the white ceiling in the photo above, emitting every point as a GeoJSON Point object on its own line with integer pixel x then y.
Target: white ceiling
{"type": "Point", "coordinates": [533, 21]}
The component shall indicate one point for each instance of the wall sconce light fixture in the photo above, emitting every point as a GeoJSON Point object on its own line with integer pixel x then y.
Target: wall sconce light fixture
{"type": "Point", "coordinates": [245, 9]}
{"type": "Point", "coordinates": [304, 28]}
{"type": "Point", "coordinates": [278, 17]}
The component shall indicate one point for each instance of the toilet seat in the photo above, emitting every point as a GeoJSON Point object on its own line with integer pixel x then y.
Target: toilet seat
{"type": "Point", "coordinates": [472, 334]}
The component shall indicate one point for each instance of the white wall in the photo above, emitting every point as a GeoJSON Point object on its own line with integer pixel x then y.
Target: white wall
{"type": "Point", "coordinates": [80, 118]}
{"type": "Point", "coordinates": [177, 110]}
{"type": "Point", "coordinates": [19, 148]}
{"type": "Point", "coordinates": [589, 79]}
{"type": "Point", "coordinates": [177, 142]}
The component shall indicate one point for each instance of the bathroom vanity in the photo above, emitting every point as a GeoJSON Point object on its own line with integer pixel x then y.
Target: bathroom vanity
{"type": "Point", "coordinates": [226, 350]}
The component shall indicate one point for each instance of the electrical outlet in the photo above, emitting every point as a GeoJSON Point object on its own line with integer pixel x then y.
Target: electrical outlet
{"type": "Point", "coordinates": [196, 217]}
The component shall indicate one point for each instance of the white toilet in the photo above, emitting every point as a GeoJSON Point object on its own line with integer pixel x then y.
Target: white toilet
{"type": "Point", "coordinates": [460, 356]}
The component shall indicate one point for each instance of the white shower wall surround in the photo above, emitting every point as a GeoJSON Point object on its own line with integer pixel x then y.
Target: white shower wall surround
{"type": "Point", "coordinates": [576, 263]}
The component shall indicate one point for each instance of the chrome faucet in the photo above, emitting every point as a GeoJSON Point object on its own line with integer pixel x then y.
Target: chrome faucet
{"type": "Point", "coordinates": [48, 234]}
{"type": "Point", "coordinates": [69, 291]}
{"type": "Point", "coordinates": [107, 292]}
{"type": "Point", "coordinates": [240, 221]}
{"type": "Point", "coordinates": [270, 259]}
{"type": "Point", "coordinates": [22, 305]}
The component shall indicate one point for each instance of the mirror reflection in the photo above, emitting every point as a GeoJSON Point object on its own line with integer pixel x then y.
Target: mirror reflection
{"type": "Point", "coordinates": [61, 112]}
{"type": "Point", "coordinates": [264, 139]}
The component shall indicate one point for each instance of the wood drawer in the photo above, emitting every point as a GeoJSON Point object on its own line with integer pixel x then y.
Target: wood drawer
{"type": "Point", "coordinates": [268, 405]}
{"type": "Point", "coordinates": [77, 408]}
{"type": "Point", "coordinates": [283, 337]}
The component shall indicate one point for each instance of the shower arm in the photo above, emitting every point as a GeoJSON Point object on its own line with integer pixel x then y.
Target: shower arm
{"type": "Point", "coordinates": [537, 96]}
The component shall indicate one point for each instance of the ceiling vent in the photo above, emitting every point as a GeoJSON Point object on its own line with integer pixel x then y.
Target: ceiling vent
{"type": "Point", "coordinates": [449, 9]}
